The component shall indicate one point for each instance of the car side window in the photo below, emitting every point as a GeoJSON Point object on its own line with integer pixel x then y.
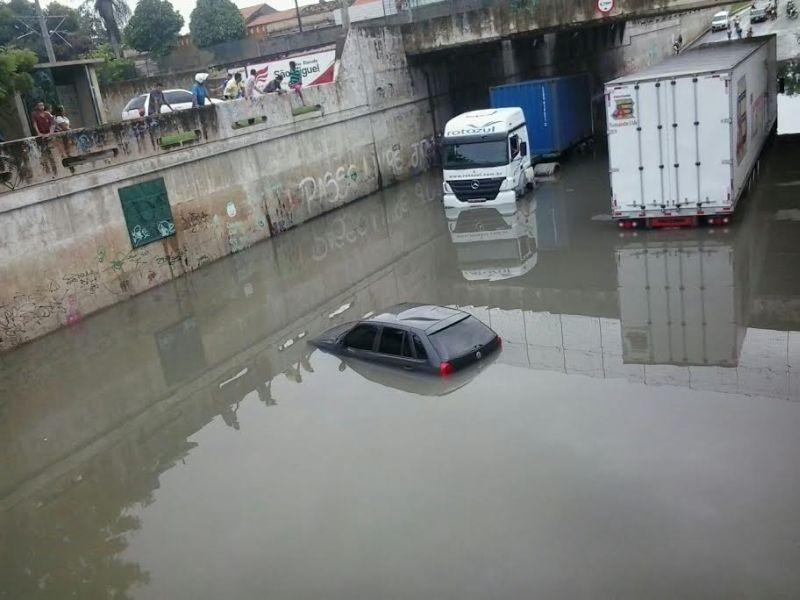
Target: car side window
{"type": "Point", "coordinates": [420, 349]}
{"type": "Point", "coordinates": [407, 351]}
{"type": "Point", "coordinates": [362, 337]}
{"type": "Point", "coordinates": [178, 97]}
{"type": "Point", "coordinates": [513, 142]}
{"type": "Point", "coordinates": [391, 341]}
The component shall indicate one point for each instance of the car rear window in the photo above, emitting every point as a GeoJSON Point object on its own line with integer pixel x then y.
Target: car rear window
{"type": "Point", "coordinates": [136, 103]}
{"type": "Point", "coordinates": [461, 338]}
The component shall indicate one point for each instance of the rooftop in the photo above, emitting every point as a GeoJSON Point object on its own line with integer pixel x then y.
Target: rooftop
{"type": "Point", "coordinates": [717, 56]}
{"type": "Point", "coordinates": [419, 316]}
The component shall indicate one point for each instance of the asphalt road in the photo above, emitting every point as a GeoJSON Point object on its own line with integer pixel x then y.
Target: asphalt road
{"type": "Point", "coordinates": [786, 29]}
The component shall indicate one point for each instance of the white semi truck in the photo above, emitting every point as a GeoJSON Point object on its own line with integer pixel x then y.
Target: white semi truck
{"type": "Point", "coordinates": [684, 136]}
{"type": "Point", "coordinates": [485, 158]}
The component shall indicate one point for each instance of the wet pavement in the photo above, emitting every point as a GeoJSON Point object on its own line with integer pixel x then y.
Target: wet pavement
{"type": "Point", "coordinates": [637, 437]}
{"type": "Point", "coordinates": [785, 28]}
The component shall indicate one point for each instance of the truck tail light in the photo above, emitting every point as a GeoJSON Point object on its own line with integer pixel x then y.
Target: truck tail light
{"type": "Point", "coordinates": [445, 369]}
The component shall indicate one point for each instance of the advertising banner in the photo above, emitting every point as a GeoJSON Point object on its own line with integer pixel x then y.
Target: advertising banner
{"type": "Point", "coordinates": [316, 67]}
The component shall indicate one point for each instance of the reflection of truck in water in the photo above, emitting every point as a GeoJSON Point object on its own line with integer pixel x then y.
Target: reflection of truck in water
{"type": "Point", "coordinates": [685, 135]}
{"type": "Point", "coordinates": [492, 246]}
{"type": "Point", "coordinates": [485, 158]}
{"type": "Point", "coordinates": [681, 301]}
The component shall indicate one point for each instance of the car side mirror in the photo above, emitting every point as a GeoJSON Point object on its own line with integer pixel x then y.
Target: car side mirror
{"type": "Point", "coordinates": [523, 148]}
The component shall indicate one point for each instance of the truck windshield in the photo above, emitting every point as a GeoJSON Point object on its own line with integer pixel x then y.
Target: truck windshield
{"type": "Point", "coordinates": [475, 154]}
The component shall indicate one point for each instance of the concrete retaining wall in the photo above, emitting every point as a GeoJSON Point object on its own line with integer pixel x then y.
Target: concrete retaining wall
{"type": "Point", "coordinates": [65, 250]}
{"type": "Point", "coordinates": [463, 22]}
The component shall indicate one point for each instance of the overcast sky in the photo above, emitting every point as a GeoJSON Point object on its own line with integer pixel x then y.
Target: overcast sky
{"type": "Point", "coordinates": [185, 6]}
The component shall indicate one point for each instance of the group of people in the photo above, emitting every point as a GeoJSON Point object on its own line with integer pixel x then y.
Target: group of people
{"type": "Point", "coordinates": [47, 122]}
{"type": "Point", "coordinates": [737, 27]}
{"type": "Point", "coordinates": [234, 88]}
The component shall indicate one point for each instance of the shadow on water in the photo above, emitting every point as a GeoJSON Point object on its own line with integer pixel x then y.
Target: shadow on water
{"type": "Point", "coordinates": [194, 423]}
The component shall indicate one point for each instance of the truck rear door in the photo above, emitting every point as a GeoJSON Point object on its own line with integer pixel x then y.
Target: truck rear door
{"type": "Point", "coordinates": [638, 146]}
{"type": "Point", "coordinates": [697, 152]}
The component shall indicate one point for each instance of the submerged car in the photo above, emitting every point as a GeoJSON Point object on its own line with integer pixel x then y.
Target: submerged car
{"type": "Point", "coordinates": [414, 337]}
{"type": "Point", "coordinates": [414, 382]}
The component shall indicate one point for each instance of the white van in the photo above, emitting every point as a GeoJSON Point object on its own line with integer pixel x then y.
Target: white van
{"type": "Point", "coordinates": [720, 21]}
{"type": "Point", "coordinates": [485, 158]}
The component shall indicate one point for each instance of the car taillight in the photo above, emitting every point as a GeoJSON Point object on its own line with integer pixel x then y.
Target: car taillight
{"type": "Point", "coordinates": [445, 368]}
{"type": "Point", "coordinates": [499, 341]}
{"type": "Point", "coordinates": [141, 112]}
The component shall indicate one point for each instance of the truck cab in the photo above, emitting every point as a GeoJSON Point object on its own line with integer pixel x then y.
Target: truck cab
{"type": "Point", "coordinates": [485, 158]}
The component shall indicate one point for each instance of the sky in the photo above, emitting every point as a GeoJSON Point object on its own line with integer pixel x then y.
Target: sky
{"type": "Point", "coordinates": [185, 6]}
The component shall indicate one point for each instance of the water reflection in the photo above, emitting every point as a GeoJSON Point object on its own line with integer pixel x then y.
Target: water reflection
{"type": "Point", "coordinates": [493, 244]}
{"type": "Point", "coordinates": [196, 414]}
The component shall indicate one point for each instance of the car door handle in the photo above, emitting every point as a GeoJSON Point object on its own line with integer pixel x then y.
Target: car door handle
{"type": "Point", "coordinates": [407, 368]}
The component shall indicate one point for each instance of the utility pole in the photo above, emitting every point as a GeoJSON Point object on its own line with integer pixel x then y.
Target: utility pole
{"type": "Point", "coordinates": [345, 16]}
{"type": "Point", "coordinates": [48, 43]}
{"type": "Point", "coordinates": [299, 21]}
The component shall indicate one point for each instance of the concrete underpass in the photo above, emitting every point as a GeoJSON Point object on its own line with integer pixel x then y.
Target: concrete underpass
{"type": "Point", "coordinates": [176, 436]}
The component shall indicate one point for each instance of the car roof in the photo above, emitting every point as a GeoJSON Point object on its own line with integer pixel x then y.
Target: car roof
{"type": "Point", "coordinates": [425, 317]}
{"type": "Point", "coordinates": [722, 13]}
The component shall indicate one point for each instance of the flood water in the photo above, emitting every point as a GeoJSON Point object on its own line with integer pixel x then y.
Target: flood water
{"type": "Point", "coordinates": [638, 437]}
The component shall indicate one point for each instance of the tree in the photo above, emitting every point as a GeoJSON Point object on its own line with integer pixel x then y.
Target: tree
{"type": "Point", "coordinates": [114, 68]}
{"type": "Point", "coordinates": [154, 27]}
{"type": "Point", "coordinates": [215, 21]}
{"type": "Point", "coordinates": [113, 13]}
{"type": "Point", "coordinates": [15, 67]}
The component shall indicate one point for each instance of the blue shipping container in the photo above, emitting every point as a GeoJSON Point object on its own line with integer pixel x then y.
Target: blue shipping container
{"type": "Point", "coordinates": [558, 110]}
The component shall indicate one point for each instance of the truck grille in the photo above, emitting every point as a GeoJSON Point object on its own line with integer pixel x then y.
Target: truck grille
{"type": "Point", "coordinates": [476, 190]}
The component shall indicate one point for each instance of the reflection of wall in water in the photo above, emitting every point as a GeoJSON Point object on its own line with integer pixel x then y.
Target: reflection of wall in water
{"type": "Point", "coordinates": [593, 347]}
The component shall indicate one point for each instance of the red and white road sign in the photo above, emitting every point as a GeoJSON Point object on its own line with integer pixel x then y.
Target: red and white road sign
{"type": "Point", "coordinates": [605, 6]}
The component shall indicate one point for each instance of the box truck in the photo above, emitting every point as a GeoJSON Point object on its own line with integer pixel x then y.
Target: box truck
{"type": "Point", "coordinates": [485, 158]}
{"type": "Point", "coordinates": [685, 135]}
{"type": "Point", "coordinates": [558, 111]}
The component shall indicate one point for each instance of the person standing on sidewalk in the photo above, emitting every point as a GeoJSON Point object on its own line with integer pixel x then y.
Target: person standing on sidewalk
{"type": "Point", "coordinates": [250, 90]}
{"type": "Point", "coordinates": [199, 91]}
{"type": "Point", "coordinates": [157, 100]}
{"type": "Point", "coordinates": [296, 80]}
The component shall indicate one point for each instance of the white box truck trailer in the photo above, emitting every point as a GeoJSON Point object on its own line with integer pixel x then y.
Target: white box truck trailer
{"type": "Point", "coordinates": [685, 135]}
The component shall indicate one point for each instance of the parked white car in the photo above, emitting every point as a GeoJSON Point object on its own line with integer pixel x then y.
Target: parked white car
{"type": "Point", "coordinates": [177, 99]}
{"type": "Point", "coordinates": [720, 20]}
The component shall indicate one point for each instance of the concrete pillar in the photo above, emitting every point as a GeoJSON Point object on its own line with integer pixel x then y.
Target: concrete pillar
{"type": "Point", "coordinates": [512, 69]}
{"type": "Point", "coordinates": [23, 116]}
{"type": "Point", "coordinates": [97, 97]}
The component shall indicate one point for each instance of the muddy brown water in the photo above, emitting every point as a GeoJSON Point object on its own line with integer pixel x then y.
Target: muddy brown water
{"type": "Point", "coordinates": [637, 437]}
